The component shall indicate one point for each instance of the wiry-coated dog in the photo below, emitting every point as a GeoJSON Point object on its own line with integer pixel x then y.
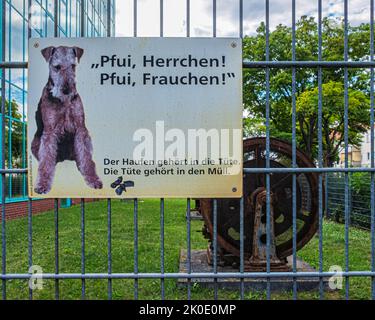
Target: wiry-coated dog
{"type": "Point", "coordinates": [61, 131]}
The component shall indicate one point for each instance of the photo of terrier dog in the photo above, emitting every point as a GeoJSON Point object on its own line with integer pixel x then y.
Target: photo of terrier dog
{"type": "Point", "coordinates": [61, 131]}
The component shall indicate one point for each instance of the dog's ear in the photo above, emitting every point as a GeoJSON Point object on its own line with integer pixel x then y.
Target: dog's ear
{"type": "Point", "coordinates": [48, 52]}
{"type": "Point", "coordinates": [78, 52]}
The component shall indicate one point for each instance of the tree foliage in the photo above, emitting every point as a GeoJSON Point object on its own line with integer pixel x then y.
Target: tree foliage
{"type": "Point", "coordinates": [14, 137]}
{"type": "Point", "coordinates": [307, 86]}
{"type": "Point", "coordinates": [332, 119]}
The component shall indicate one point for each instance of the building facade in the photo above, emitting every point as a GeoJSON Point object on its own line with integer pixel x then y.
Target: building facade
{"type": "Point", "coordinates": [43, 14]}
{"type": "Point", "coordinates": [358, 157]}
{"type": "Point", "coordinates": [366, 149]}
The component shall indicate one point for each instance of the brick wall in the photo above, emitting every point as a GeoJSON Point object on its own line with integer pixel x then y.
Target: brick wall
{"type": "Point", "coordinates": [20, 209]}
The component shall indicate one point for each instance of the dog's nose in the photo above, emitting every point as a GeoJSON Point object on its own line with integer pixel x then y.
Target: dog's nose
{"type": "Point", "coordinates": [66, 90]}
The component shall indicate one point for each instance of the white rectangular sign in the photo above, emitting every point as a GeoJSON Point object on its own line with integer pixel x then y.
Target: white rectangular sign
{"type": "Point", "coordinates": [135, 117]}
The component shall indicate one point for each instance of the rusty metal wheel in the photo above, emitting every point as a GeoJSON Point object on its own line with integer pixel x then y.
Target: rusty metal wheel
{"type": "Point", "coordinates": [228, 217]}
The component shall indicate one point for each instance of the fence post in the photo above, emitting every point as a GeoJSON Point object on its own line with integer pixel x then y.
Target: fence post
{"type": "Point", "coordinates": [326, 195]}
{"type": "Point", "coordinates": [3, 176]}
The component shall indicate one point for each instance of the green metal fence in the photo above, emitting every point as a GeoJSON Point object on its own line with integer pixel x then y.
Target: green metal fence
{"type": "Point", "coordinates": [359, 198]}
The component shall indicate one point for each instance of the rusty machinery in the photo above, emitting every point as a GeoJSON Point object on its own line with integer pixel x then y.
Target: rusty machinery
{"type": "Point", "coordinates": [281, 210]}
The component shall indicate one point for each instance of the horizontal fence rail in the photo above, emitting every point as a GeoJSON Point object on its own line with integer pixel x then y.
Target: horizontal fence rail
{"type": "Point", "coordinates": [221, 275]}
{"type": "Point", "coordinates": [308, 64]}
{"type": "Point", "coordinates": [257, 64]}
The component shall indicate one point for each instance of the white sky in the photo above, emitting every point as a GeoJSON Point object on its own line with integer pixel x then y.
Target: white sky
{"type": "Point", "coordinates": [227, 15]}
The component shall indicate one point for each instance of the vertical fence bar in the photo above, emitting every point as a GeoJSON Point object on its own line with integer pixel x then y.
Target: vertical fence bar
{"type": "Point", "coordinates": [372, 148]}
{"type": "Point", "coordinates": [30, 240]}
{"type": "Point", "coordinates": [109, 206]}
{"type": "Point", "coordinates": [188, 231]}
{"type": "Point", "coordinates": [215, 246]}
{"type": "Point", "coordinates": [215, 201]}
{"type": "Point", "coordinates": [56, 201]}
{"type": "Point", "coordinates": [326, 179]}
{"type": "Point", "coordinates": [162, 289]}
{"type": "Point", "coordinates": [241, 18]}
{"type": "Point", "coordinates": [135, 15]}
{"type": "Point", "coordinates": [83, 258]}
{"type": "Point", "coordinates": [29, 19]}
{"type": "Point", "coordinates": [109, 241]}
{"type": "Point", "coordinates": [3, 176]}
{"type": "Point", "coordinates": [346, 141]}
{"type": "Point", "coordinates": [83, 226]}
{"type": "Point", "coordinates": [268, 186]}
{"type": "Point", "coordinates": [25, 25]}
{"type": "Point", "coordinates": [294, 146]}
{"type": "Point", "coordinates": [136, 247]}
{"type": "Point", "coordinates": [82, 17]}
{"type": "Point", "coordinates": [56, 18]}
{"type": "Point", "coordinates": [242, 284]}
{"type": "Point", "coordinates": [214, 18]}
{"type": "Point", "coordinates": [29, 206]}
{"type": "Point", "coordinates": [114, 18]}
{"type": "Point", "coordinates": [161, 18]}
{"type": "Point", "coordinates": [320, 148]}
{"type": "Point", "coordinates": [56, 216]}
{"type": "Point", "coordinates": [109, 18]}
{"type": "Point", "coordinates": [70, 18]}
{"type": "Point", "coordinates": [66, 18]}
{"type": "Point", "coordinates": [188, 18]}
{"type": "Point", "coordinates": [162, 247]}
{"type": "Point", "coordinates": [135, 22]}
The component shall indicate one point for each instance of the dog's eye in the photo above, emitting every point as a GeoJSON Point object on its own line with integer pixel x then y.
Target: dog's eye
{"type": "Point", "coordinates": [73, 66]}
{"type": "Point", "coordinates": [58, 67]}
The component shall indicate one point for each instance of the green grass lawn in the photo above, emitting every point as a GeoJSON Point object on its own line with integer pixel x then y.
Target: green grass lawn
{"type": "Point", "coordinates": [149, 252]}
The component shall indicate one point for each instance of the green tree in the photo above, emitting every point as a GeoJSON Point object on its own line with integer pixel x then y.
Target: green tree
{"type": "Point", "coordinates": [17, 134]}
{"type": "Point", "coordinates": [306, 84]}
{"type": "Point", "coordinates": [332, 119]}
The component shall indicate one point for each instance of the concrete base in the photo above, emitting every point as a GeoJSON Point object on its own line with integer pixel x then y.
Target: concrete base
{"type": "Point", "coordinates": [199, 264]}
